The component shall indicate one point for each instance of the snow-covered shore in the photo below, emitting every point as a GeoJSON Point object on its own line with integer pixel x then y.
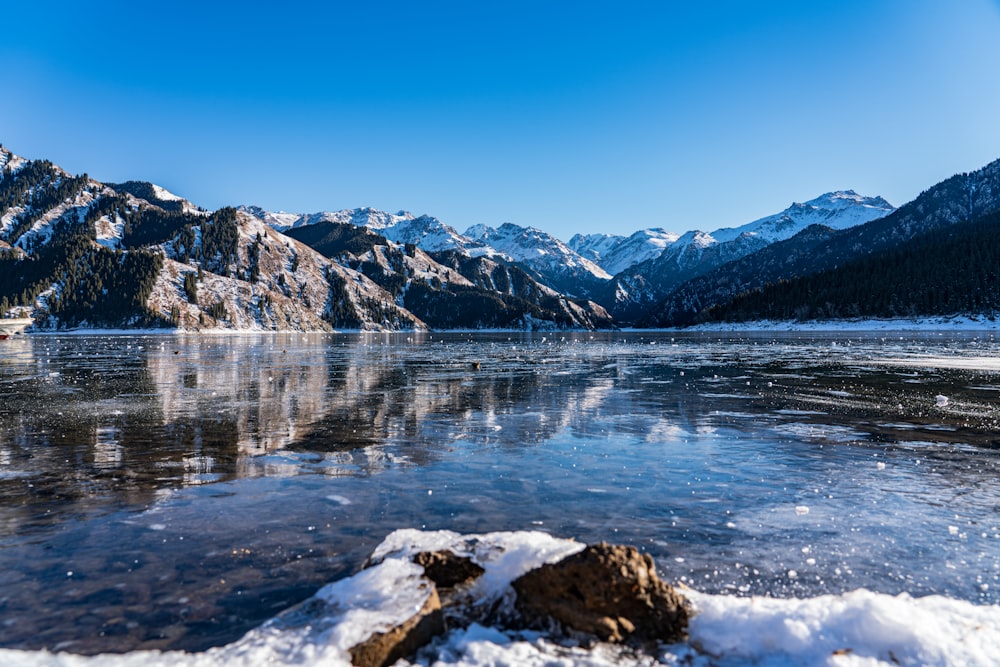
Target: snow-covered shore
{"type": "Point", "coordinates": [921, 324]}
{"type": "Point", "coordinates": [857, 628]}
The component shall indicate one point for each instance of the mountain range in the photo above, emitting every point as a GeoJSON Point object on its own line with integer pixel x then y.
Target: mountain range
{"type": "Point", "coordinates": [75, 252]}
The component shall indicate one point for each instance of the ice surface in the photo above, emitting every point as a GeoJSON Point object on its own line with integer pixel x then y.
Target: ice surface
{"type": "Point", "coordinates": [856, 628]}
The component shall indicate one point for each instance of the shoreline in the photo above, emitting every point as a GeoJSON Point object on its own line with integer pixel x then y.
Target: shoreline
{"type": "Point", "coordinates": [901, 325]}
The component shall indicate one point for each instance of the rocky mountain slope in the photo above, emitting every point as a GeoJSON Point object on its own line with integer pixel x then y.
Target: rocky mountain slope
{"type": "Point", "coordinates": [451, 289]}
{"type": "Point", "coordinates": [75, 252]}
{"type": "Point", "coordinates": [547, 259]}
{"type": "Point", "coordinates": [545, 256]}
{"type": "Point", "coordinates": [950, 271]}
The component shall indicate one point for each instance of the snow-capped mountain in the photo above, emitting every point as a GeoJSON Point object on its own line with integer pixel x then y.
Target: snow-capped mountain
{"type": "Point", "coordinates": [449, 289]}
{"type": "Point", "coordinates": [838, 210]}
{"type": "Point", "coordinates": [641, 286]}
{"type": "Point", "coordinates": [550, 260]}
{"type": "Point", "coordinates": [424, 231]}
{"type": "Point", "coordinates": [963, 198]}
{"type": "Point", "coordinates": [87, 253]}
{"type": "Point", "coordinates": [158, 195]}
{"type": "Point", "coordinates": [78, 252]}
{"type": "Point", "coordinates": [615, 253]}
{"type": "Point", "coordinates": [557, 264]}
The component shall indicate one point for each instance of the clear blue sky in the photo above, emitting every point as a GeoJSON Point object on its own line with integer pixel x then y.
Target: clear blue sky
{"type": "Point", "coordinates": [567, 116]}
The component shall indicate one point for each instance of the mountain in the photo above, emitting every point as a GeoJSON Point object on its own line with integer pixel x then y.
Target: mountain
{"type": "Point", "coordinates": [426, 232]}
{"type": "Point", "coordinates": [154, 194]}
{"type": "Point", "coordinates": [959, 199]}
{"type": "Point", "coordinates": [75, 252]}
{"type": "Point", "coordinates": [633, 292]}
{"type": "Point", "coordinates": [544, 256]}
{"type": "Point", "coordinates": [450, 289]}
{"type": "Point", "coordinates": [83, 253]}
{"type": "Point", "coordinates": [953, 270]}
{"type": "Point", "coordinates": [836, 210]}
{"type": "Point", "coordinates": [615, 253]}
{"type": "Point", "coordinates": [549, 261]}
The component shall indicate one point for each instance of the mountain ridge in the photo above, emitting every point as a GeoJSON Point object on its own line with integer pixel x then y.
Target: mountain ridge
{"type": "Point", "coordinates": [75, 252]}
{"type": "Point", "coordinates": [65, 243]}
{"type": "Point", "coordinates": [957, 199]}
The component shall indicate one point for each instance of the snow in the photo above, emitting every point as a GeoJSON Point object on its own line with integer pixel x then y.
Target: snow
{"type": "Point", "coordinates": [536, 248]}
{"type": "Point", "coordinates": [615, 254]}
{"type": "Point", "coordinates": [857, 628]}
{"type": "Point", "coordinates": [42, 228]}
{"type": "Point", "coordinates": [839, 210]}
{"type": "Point", "coordinates": [164, 195]}
{"type": "Point", "coordinates": [944, 323]}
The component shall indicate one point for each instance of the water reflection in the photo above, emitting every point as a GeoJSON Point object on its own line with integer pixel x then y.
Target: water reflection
{"type": "Point", "coordinates": [194, 485]}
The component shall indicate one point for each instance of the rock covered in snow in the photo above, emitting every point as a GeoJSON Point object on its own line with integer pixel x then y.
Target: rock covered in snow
{"type": "Point", "coordinates": [385, 648]}
{"type": "Point", "coordinates": [606, 592]}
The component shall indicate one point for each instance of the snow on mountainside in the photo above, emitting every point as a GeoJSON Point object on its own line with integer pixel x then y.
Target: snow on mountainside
{"type": "Point", "coordinates": [639, 287]}
{"type": "Point", "coordinates": [615, 253]}
{"type": "Point", "coordinates": [292, 287]}
{"type": "Point", "coordinates": [160, 196]}
{"type": "Point", "coordinates": [9, 162]}
{"type": "Point", "coordinates": [543, 253]}
{"type": "Point", "coordinates": [426, 232]}
{"type": "Point", "coordinates": [552, 261]}
{"type": "Point", "coordinates": [963, 198]}
{"type": "Point", "coordinates": [594, 246]}
{"type": "Point", "coordinates": [837, 210]}
{"type": "Point", "coordinates": [449, 289]}
{"type": "Point", "coordinates": [80, 253]}
{"type": "Point", "coordinates": [86, 233]}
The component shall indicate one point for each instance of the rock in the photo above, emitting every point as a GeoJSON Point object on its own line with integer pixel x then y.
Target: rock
{"type": "Point", "coordinates": [447, 569]}
{"type": "Point", "coordinates": [385, 648]}
{"type": "Point", "coordinates": [610, 591]}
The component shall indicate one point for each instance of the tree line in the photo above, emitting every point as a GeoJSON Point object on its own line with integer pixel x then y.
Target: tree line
{"type": "Point", "coordinates": [955, 270]}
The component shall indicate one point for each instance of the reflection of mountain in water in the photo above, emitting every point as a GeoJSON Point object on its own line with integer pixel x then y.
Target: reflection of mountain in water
{"type": "Point", "coordinates": [104, 419]}
{"type": "Point", "coordinates": [255, 390]}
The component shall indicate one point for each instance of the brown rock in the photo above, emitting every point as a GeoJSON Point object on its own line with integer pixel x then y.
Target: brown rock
{"type": "Point", "coordinates": [385, 648]}
{"type": "Point", "coordinates": [446, 569]}
{"type": "Point", "coordinates": [608, 591]}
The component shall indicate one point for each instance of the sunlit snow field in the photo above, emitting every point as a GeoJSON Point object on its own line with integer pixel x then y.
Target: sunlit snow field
{"type": "Point", "coordinates": [174, 493]}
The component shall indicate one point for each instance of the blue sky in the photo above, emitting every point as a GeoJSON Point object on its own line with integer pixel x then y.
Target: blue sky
{"type": "Point", "coordinates": [566, 116]}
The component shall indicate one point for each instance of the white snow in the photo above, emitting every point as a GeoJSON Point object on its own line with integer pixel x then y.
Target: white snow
{"type": "Point", "coordinates": [856, 629]}
{"type": "Point", "coordinates": [165, 195]}
{"type": "Point", "coordinates": [944, 323]}
{"type": "Point", "coordinates": [839, 210]}
{"type": "Point", "coordinates": [537, 249]}
{"type": "Point", "coordinates": [614, 253]}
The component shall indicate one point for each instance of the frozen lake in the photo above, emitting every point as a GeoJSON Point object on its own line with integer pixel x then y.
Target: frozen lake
{"type": "Point", "coordinates": [172, 492]}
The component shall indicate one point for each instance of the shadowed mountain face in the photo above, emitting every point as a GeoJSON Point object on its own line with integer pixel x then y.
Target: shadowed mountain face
{"type": "Point", "coordinates": [959, 199]}
{"type": "Point", "coordinates": [639, 289]}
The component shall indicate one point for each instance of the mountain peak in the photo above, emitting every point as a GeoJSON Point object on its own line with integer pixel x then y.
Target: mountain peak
{"type": "Point", "coordinates": [838, 209]}
{"type": "Point", "coordinates": [839, 199]}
